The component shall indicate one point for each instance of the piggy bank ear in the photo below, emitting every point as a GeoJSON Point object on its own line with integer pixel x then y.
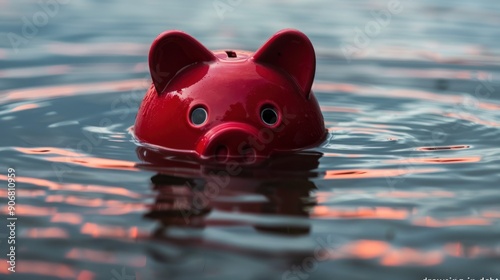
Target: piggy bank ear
{"type": "Point", "coordinates": [291, 51]}
{"type": "Point", "coordinates": [170, 52]}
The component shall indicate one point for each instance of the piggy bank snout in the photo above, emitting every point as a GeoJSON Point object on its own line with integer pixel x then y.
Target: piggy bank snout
{"type": "Point", "coordinates": [232, 141]}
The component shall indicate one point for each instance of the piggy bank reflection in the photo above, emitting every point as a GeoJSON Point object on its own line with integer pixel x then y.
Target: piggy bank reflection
{"type": "Point", "coordinates": [187, 192]}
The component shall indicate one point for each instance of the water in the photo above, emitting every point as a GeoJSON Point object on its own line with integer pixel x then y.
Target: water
{"type": "Point", "coordinates": [405, 187]}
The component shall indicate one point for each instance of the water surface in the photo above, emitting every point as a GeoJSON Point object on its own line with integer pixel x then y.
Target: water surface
{"type": "Point", "coordinates": [405, 187]}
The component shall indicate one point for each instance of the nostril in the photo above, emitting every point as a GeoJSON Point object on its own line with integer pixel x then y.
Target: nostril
{"type": "Point", "coordinates": [248, 154]}
{"type": "Point", "coordinates": [221, 153]}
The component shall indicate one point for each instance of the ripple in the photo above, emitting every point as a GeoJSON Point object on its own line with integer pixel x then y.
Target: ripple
{"type": "Point", "coordinates": [52, 232]}
{"type": "Point", "coordinates": [105, 231]}
{"type": "Point", "coordinates": [47, 150]}
{"type": "Point", "coordinates": [43, 268]}
{"type": "Point", "coordinates": [374, 173]}
{"type": "Point", "coordinates": [105, 257]}
{"type": "Point", "coordinates": [360, 213]}
{"type": "Point", "coordinates": [70, 187]}
{"type": "Point", "coordinates": [39, 71]}
{"type": "Point", "coordinates": [70, 90]}
{"type": "Point", "coordinates": [452, 99]}
{"type": "Point", "coordinates": [70, 157]}
{"type": "Point", "coordinates": [23, 107]}
{"type": "Point", "coordinates": [63, 123]}
{"type": "Point", "coordinates": [91, 162]}
{"type": "Point", "coordinates": [420, 160]}
{"type": "Point", "coordinates": [99, 49]}
{"type": "Point", "coordinates": [443, 148]}
{"type": "Point", "coordinates": [460, 221]}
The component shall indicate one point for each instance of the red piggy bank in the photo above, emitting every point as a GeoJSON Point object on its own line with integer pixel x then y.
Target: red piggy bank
{"type": "Point", "coordinates": [230, 104]}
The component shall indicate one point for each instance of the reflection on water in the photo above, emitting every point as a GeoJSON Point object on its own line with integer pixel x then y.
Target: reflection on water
{"type": "Point", "coordinates": [200, 201]}
{"type": "Point", "coordinates": [405, 186]}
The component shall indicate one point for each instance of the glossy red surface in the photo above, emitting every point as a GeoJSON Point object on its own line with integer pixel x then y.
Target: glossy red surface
{"type": "Point", "coordinates": [257, 104]}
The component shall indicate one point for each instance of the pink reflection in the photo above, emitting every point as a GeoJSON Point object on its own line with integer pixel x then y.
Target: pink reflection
{"type": "Point", "coordinates": [74, 187]}
{"type": "Point", "coordinates": [69, 218]}
{"type": "Point", "coordinates": [410, 256]}
{"type": "Point", "coordinates": [75, 200]}
{"type": "Point", "coordinates": [92, 255]}
{"type": "Point", "coordinates": [415, 194]}
{"type": "Point", "coordinates": [433, 73]}
{"type": "Point", "coordinates": [113, 207]}
{"type": "Point", "coordinates": [24, 107]}
{"type": "Point", "coordinates": [359, 213]}
{"type": "Point", "coordinates": [120, 208]}
{"type": "Point", "coordinates": [40, 268]}
{"type": "Point", "coordinates": [99, 231]}
{"type": "Point", "coordinates": [491, 214]}
{"type": "Point", "coordinates": [51, 232]}
{"type": "Point", "coordinates": [47, 150]}
{"type": "Point", "coordinates": [460, 250]}
{"type": "Point", "coordinates": [102, 256]}
{"type": "Point", "coordinates": [34, 181]}
{"type": "Point", "coordinates": [474, 119]}
{"type": "Point", "coordinates": [27, 72]}
{"type": "Point", "coordinates": [366, 249]}
{"type": "Point", "coordinates": [457, 221]}
{"type": "Point", "coordinates": [24, 193]}
{"type": "Point", "coordinates": [29, 210]}
{"type": "Point", "coordinates": [93, 162]}
{"type": "Point", "coordinates": [86, 275]}
{"type": "Point", "coordinates": [388, 255]}
{"type": "Point", "coordinates": [435, 160]}
{"type": "Point", "coordinates": [102, 189]}
{"type": "Point", "coordinates": [73, 89]}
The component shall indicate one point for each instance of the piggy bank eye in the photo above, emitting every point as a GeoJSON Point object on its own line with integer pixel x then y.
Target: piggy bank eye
{"type": "Point", "coordinates": [269, 115]}
{"type": "Point", "coordinates": [198, 116]}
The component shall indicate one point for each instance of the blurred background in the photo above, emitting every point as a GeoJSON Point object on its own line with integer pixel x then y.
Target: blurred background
{"type": "Point", "coordinates": [405, 187]}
